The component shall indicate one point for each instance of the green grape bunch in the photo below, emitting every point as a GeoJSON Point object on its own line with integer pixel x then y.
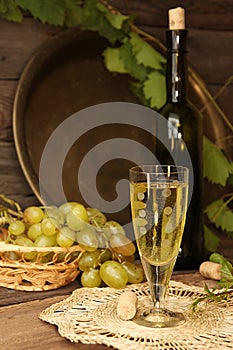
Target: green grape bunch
{"type": "Point", "coordinates": [108, 257]}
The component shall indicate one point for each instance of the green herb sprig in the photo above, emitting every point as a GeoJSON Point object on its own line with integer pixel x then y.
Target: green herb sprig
{"type": "Point", "coordinates": [226, 283]}
{"type": "Point", "coordinates": [211, 297]}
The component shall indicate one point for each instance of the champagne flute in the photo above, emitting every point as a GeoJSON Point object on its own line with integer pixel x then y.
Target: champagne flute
{"type": "Point", "coordinates": [158, 195]}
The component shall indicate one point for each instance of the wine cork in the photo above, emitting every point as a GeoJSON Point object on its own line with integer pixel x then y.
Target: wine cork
{"type": "Point", "coordinates": [127, 305]}
{"type": "Point", "coordinates": [176, 18]}
{"type": "Point", "coordinates": [211, 270]}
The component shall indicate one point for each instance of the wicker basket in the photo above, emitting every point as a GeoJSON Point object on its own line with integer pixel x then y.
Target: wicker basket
{"type": "Point", "coordinates": [19, 273]}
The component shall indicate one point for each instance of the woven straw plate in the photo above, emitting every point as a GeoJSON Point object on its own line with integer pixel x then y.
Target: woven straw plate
{"type": "Point", "coordinates": [89, 316]}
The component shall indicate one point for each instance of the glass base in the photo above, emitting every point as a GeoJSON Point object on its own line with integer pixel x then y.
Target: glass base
{"type": "Point", "coordinates": [159, 318]}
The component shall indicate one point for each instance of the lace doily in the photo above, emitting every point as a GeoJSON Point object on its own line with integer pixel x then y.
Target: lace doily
{"type": "Point", "coordinates": [89, 316]}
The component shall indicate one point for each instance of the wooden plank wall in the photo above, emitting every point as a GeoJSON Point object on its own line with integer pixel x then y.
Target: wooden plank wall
{"type": "Point", "coordinates": [210, 26]}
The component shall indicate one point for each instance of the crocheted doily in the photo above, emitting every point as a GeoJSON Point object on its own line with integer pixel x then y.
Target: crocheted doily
{"type": "Point", "coordinates": [89, 316]}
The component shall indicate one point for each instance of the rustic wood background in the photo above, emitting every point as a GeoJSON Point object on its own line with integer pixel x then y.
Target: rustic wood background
{"type": "Point", "coordinates": [210, 26]}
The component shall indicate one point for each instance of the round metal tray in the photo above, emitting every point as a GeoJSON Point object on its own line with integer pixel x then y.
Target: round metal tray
{"type": "Point", "coordinates": [65, 75]}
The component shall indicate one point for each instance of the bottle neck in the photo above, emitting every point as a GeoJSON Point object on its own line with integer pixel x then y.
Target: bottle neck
{"type": "Point", "coordinates": [176, 76]}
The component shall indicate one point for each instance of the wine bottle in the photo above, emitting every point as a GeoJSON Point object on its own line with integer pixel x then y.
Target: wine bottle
{"type": "Point", "coordinates": [184, 125]}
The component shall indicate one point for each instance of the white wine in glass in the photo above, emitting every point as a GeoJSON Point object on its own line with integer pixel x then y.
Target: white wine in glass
{"type": "Point", "coordinates": [158, 195]}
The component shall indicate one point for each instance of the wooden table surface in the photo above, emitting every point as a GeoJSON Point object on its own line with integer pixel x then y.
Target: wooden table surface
{"type": "Point", "coordinates": [20, 326]}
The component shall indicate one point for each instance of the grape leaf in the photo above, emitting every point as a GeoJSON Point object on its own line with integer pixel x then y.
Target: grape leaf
{"type": "Point", "coordinates": [155, 89]}
{"type": "Point", "coordinates": [90, 15]}
{"type": "Point", "coordinates": [224, 283]}
{"type": "Point", "coordinates": [145, 54]}
{"type": "Point", "coordinates": [95, 20]}
{"type": "Point", "coordinates": [3, 6]}
{"type": "Point", "coordinates": [113, 61]}
{"type": "Point", "coordinates": [137, 89]}
{"type": "Point", "coordinates": [10, 11]}
{"type": "Point", "coordinates": [107, 31]}
{"type": "Point", "coordinates": [221, 215]}
{"type": "Point", "coordinates": [73, 15]}
{"type": "Point", "coordinates": [116, 20]}
{"type": "Point", "coordinates": [211, 240]}
{"type": "Point", "coordinates": [231, 167]}
{"type": "Point", "coordinates": [52, 11]}
{"type": "Point", "coordinates": [230, 178]}
{"type": "Point", "coordinates": [229, 234]}
{"type": "Point", "coordinates": [216, 167]}
{"type": "Point", "coordinates": [230, 181]}
{"type": "Point", "coordinates": [137, 71]}
{"type": "Point", "coordinates": [226, 270]}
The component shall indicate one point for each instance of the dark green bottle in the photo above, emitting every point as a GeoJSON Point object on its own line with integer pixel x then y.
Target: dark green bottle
{"type": "Point", "coordinates": [184, 125]}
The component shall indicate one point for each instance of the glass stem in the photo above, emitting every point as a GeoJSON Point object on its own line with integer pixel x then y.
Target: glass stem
{"type": "Point", "coordinates": [158, 278]}
{"type": "Point", "coordinates": [157, 291]}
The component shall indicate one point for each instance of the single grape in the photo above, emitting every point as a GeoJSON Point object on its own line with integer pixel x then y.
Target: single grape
{"type": "Point", "coordinates": [55, 213]}
{"type": "Point", "coordinates": [11, 255]}
{"type": "Point", "coordinates": [47, 258]}
{"type": "Point", "coordinates": [75, 215]}
{"type": "Point", "coordinates": [65, 237]}
{"type": "Point", "coordinates": [104, 235]}
{"type": "Point", "coordinates": [139, 265]}
{"type": "Point", "coordinates": [96, 217]}
{"type": "Point", "coordinates": [17, 227]}
{"type": "Point", "coordinates": [122, 245]}
{"type": "Point", "coordinates": [74, 222]}
{"type": "Point", "coordinates": [32, 215]}
{"type": "Point", "coordinates": [135, 272]}
{"type": "Point", "coordinates": [102, 238]}
{"type": "Point", "coordinates": [113, 274]}
{"type": "Point", "coordinates": [87, 239]}
{"type": "Point", "coordinates": [88, 259]}
{"type": "Point", "coordinates": [65, 208]}
{"type": "Point", "coordinates": [91, 278]}
{"type": "Point", "coordinates": [46, 241]}
{"type": "Point", "coordinates": [49, 226]}
{"type": "Point", "coordinates": [60, 257]}
{"type": "Point", "coordinates": [25, 242]}
{"type": "Point", "coordinates": [105, 255]}
{"type": "Point", "coordinates": [115, 227]}
{"type": "Point", "coordinates": [34, 231]}
{"type": "Point", "coordinates": [80, 211]}
{"type": "Point", "coordinates": [122, 258]}
{"type": "Point", "coordinates": [74, 255]}
{"type": "Point", "coordinates": [67, 257]}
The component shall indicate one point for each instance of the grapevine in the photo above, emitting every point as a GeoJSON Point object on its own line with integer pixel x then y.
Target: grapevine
{"type": "Point", "coordinates": [108, 257]}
